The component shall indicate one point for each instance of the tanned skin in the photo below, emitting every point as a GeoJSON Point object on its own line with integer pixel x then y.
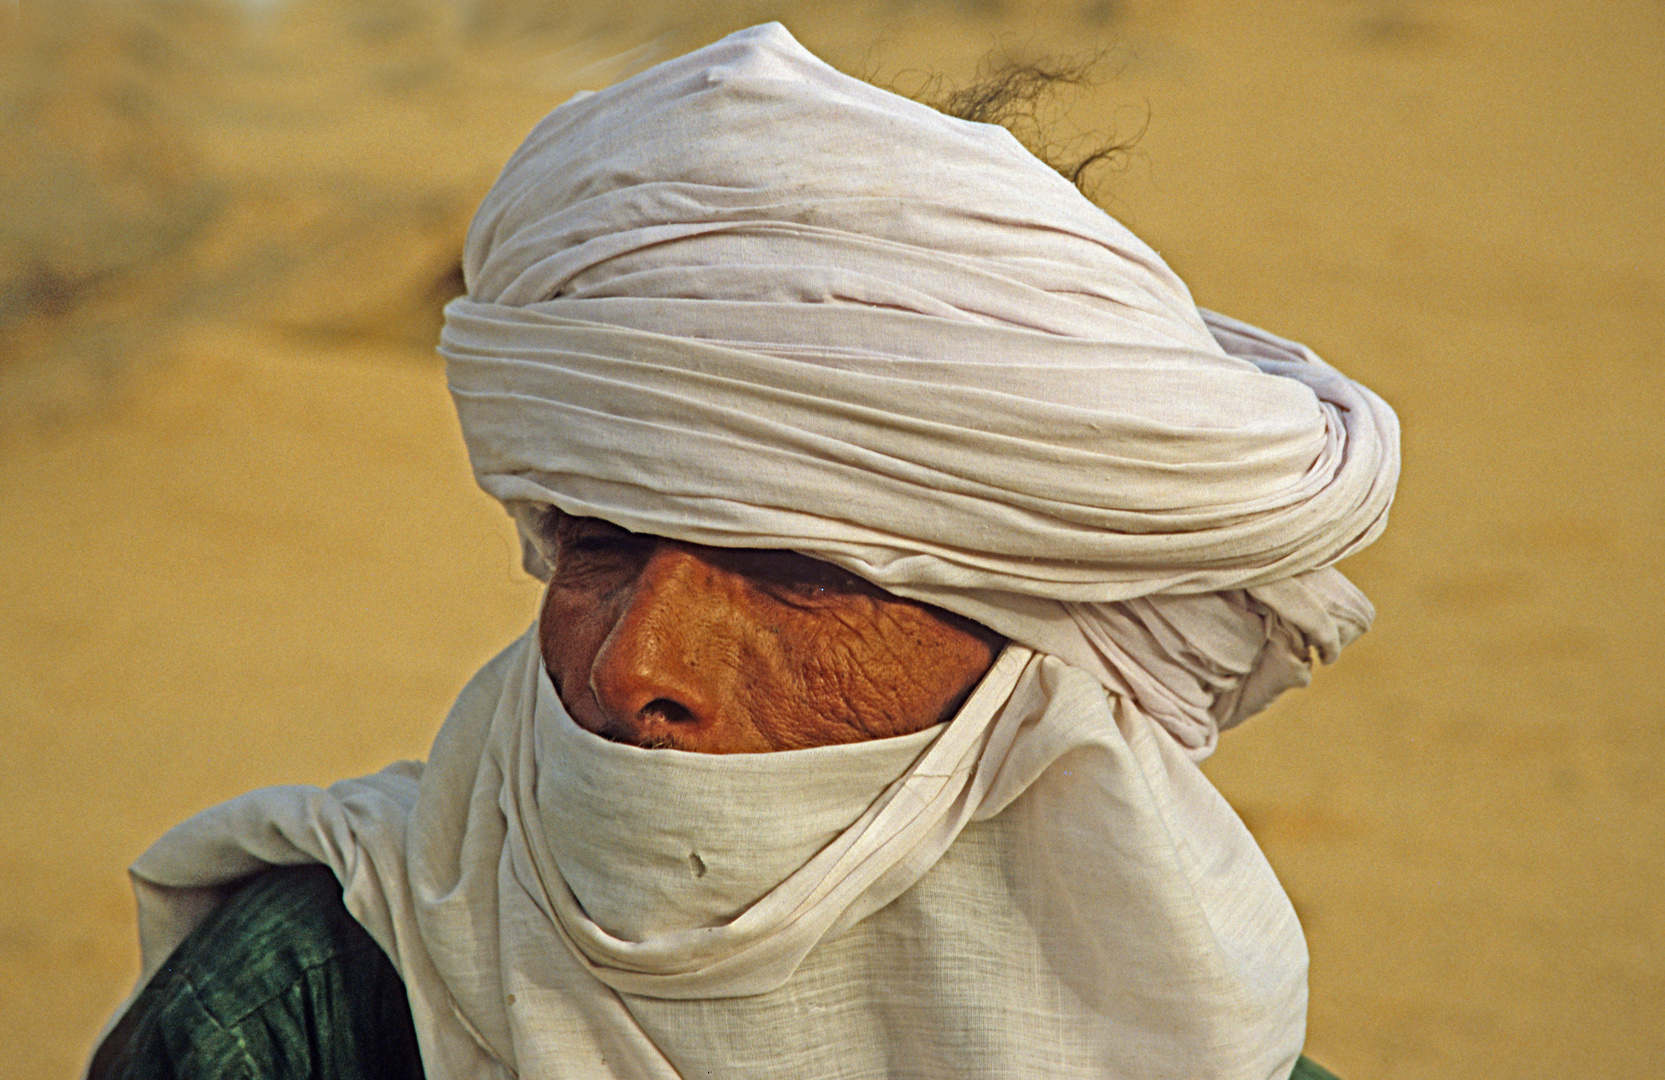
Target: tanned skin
{"type": "Point", "coordinates": [659, 643]}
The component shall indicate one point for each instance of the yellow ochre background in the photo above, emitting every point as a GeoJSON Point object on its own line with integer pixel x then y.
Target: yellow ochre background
{"type": "Point", "coordinates": [241, 545]}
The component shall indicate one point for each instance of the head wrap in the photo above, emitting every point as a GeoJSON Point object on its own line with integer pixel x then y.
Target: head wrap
{"type": "Point", "coordinates": [744, 300]}
{"type": "Point", "coordinates": [747, 301]}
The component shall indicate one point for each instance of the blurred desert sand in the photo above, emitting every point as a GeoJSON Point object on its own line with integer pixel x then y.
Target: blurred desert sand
{"type": "Point", "coordinates": [242, 546]}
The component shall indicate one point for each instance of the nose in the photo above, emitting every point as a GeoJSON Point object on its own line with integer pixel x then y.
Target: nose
{"type": "Point", "coordinates": [664, 674]}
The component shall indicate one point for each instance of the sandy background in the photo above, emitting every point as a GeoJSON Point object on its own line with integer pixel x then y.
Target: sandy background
{"type": "Point", "coordinates": [241, 545]}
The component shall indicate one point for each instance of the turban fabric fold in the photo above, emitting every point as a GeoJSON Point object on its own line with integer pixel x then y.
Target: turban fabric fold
{"type": "Point", "coordinates": [744, 300]}
{"type": "Point", "coordinates": [751, 302]}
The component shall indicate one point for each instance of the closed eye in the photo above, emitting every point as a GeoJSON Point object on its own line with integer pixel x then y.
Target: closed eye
{"type": "Point", "coordinates": [592, 534]}
{"type": "Point", "coordinates": [788, 575]}
{"type": "Point", "coordinates": [589, 551]}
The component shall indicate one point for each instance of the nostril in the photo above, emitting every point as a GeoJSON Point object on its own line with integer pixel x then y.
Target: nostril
{"type": "Point", "coordinates": [667, 710]}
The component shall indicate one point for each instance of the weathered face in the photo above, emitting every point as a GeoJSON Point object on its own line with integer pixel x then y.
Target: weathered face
{"type": "Point", "coordinates": [660, 643]}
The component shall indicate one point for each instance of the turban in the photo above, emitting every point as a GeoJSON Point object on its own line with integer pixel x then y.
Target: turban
{"type": "Point", "coordinates": [751, 302]}
{"type": "Point", "coordinates": [743, 300]}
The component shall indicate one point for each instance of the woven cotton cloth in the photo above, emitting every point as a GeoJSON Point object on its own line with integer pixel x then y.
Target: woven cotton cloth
{"type": "Point", "coordinates": [746, 301]}
{"type": "Point", "coordinates": [1044, 886]}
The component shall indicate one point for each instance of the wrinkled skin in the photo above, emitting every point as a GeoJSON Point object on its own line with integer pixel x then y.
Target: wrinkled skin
{"type": "Point", "coordinates": [660, 643]}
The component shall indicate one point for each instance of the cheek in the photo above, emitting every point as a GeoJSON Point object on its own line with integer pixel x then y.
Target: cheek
{"type": "Point", "coordinates": [571, 628]}
{"type": "Point", "coordinates": [878, 668]}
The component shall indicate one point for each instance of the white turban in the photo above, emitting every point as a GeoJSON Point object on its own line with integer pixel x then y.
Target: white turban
{"type": "Point", "coordinates": [744, 300]}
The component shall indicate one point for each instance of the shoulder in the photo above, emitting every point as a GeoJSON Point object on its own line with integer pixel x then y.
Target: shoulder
{"type": "Point", "coordinates": [279, 981]}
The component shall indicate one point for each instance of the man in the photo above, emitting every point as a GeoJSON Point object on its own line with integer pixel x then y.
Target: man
{"type": "Point", "coordinates": [909, 536]}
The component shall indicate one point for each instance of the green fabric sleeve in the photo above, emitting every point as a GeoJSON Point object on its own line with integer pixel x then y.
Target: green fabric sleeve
{"type": "Point", "coordinates": [1308, 1069]}
{"type": "Point", "coordinates": [278, 983]}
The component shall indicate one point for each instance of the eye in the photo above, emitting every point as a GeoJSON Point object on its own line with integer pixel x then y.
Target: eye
{"type": "Point", "coordinates": [589, 547]}
{"type": "Point", "coordinates": [575, 533]}
{"type": "Point", "coordinates": [791, 577]}
{"type": "Point", "coordinates": [599, 543]}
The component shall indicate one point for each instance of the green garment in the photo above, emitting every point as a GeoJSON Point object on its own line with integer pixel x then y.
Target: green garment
{"type": "Point", "coordinates": [278, 983]}
{"type": "Point", "coordinates": [1308, 1069]}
